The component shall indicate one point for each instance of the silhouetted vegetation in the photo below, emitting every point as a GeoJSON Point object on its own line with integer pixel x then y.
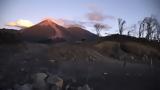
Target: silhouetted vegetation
{"type": "Point", "coordinates": [148, 28]}
{"type": "Point", "coordinates": [121, 24]}
{"type": "Point", "coordinates": [9, 36]}
{"type": "Point", "coordinates": [98, 28]}
{"type": "Point", "coordinates": [151, 26]}
{"type": "Point", "coordinates": [126, 38]}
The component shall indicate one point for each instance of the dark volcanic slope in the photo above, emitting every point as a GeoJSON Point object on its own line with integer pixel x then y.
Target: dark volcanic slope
{"type": "Point", "coordinates": [47, 29]}
{"type": "Point", "coordinates": [79, 33]}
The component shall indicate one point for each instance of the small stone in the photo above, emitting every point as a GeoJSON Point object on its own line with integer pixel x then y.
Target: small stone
{"type": "Point", "coordinates": [52, 61]}
{"type": "Point", "coordinates": [55, 80]}
{"type": "Point", "coordinates": [26, 87]}
{"type": "Point", "coordinates": [67, 87]}
{"type": "Point", "coordinates": [39, 82]}
{"type": "Point", "coordinates": [22, 69]}
{"type": "Point", "coordinates": [86, 87]}
{"type": "Point", "coordinates": [132, 57]}
{"type": "Point", "coordinates": [105, 73]}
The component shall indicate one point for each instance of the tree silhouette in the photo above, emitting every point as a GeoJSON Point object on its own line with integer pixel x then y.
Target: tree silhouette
{"type": "Point", "coordinates": [151, 26]}
{"type": "Point", "coordinates": [158, 33]}
{"type": "Point", "coordinates": [141, 31]}
{"type": "Point", "coordinates": [98, 28]}
{"type": "Point", "coordinates": [121, 23]}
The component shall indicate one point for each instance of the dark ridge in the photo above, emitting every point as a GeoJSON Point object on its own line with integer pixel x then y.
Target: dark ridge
{"type": "Point", "coordinates": [9, 36]}
{"type": "Point", "coordinates": [125, 38]}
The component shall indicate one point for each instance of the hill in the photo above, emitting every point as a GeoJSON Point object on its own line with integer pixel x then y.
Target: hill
{"type": "Point", "coordinates": [125, 38]}
{"type": "Point", "coordinates": [126, 62]}
{"type": "Point", "coordinates": [9, 36]}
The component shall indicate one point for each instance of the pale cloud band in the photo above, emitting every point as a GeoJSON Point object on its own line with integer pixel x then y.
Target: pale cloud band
{"type": "Point", "coordinates": [65, 22]}
{"type": "Point", "coordinates": [20, 23]}
{"type": "Point", "coordinates": [96, 14]}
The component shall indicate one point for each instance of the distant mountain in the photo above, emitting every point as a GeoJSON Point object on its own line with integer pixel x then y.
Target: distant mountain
{"type": "Point", "coordinates": [48, 30]}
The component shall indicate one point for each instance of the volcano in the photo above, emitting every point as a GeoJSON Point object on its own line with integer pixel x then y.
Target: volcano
{"type": "Point", "coordinates": [80, 33]}
{"type": "Point", "coordinates": [49, 30]}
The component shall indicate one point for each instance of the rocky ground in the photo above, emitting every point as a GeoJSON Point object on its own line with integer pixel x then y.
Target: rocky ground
{"type": "Point", "coordinates": [79, 66]}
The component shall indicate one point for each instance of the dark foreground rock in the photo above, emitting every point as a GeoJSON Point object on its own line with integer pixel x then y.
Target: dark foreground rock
{"type": "Point", "coordinates": [35, 66]}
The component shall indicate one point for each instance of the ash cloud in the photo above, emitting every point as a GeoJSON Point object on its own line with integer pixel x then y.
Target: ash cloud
{"type": "Point", "coordinates": [95, 14]}
{"type": "Point", "coordinates": [67, 23]}
{"type": "Point", "coordinates": [70, 23]}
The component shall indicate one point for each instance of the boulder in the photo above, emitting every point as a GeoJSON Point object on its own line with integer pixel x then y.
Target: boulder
{"type": "Point", "coordinates": [55, 80]}
{"type": "Point", "coordinates": [39, 81]}
{"type": "Point", "coordinates": [67, 87]}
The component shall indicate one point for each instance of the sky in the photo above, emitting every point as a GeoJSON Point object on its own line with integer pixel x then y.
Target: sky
{"type": "Point", "coordinates": [85, 12]}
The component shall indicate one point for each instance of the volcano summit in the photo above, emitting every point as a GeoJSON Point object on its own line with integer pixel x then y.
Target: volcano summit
{"type": "Point", "coordinates": [49, 30]}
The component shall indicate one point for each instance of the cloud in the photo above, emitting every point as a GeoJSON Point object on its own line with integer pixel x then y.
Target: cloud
{"type": "Point", "coordinates": [66, 22]}
{"type": "Point", "coordinates": [76, 25]}
{"type": "Point", "coordinates": [106, 26]}
{"type": "Point", "coordinates": [95, 14]}
{"type": "Point", "coordinates": [20, 23]}
{"type": "Point", "coordinates": [71, 23]}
